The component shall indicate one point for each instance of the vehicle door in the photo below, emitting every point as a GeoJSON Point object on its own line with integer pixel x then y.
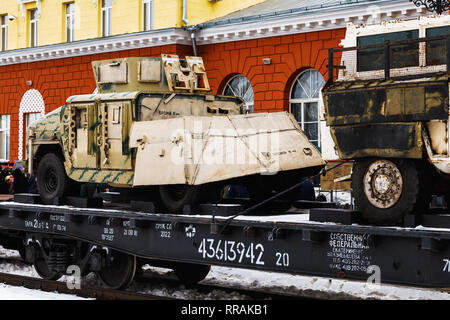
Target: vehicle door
{"type": "Point", "coordinates": [116, 117]}
{"type": "Point", "coordinates": [83, 135]}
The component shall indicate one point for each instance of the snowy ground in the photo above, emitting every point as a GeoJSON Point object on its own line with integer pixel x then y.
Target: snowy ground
{"type": "Point", "coordinates": [317, 287]}
{"type": "Point", "coordinates": [20, 293]}
{"type": "Point", "coordinates": [8, 292]}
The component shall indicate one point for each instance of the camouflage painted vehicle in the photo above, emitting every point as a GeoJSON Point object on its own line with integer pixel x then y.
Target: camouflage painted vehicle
{"type": "Point", "coordinates": [389, 111]}
{"type": "Point", "coordinates": [154, 125]}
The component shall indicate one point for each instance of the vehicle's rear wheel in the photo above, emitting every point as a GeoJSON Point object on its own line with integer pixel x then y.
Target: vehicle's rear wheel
{"type": "Point", "coordinates": [52, 181]}
{"type": "Point", "coordinates": [175, 197]}
{"type": "Point", "coordinates": [385, 190]}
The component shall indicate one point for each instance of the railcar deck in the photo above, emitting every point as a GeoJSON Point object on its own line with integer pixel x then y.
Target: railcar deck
{"type": "Point", "coordinates": [335, 245]}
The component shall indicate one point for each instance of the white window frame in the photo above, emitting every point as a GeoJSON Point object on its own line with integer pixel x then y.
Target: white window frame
{"type": "Point", "coordinates": [5, 143]}
{"type": "Point", "coordinates": [147, 11]}
{"type": "Point", "coordinates": [33, 37]}
{"type": "Point", "coordinates": [28, 115]}
{"type": "Point", "coordinates": [107, 11]}
{"type": "Point", "coordinates": [70, 21]}
{"type": "Point", "coordinates": [4, 30]}
{"type": "Point", "coordinates": [303, 102]}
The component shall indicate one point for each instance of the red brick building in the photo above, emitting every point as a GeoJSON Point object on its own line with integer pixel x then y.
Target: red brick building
{"type": "Point", "coordinates": [270, 49]}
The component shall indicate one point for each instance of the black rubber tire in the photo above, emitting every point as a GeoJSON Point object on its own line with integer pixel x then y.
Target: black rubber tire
{"type": "Point", "coordinates": [175, 197]}
{"type": "Point", "coordinates": [52, 180]}
{"type": "Point", "coordinates": [190, 273]}
{"type": "Point", "coordinates": [259, 192]}
{"type": "Point", "coordinates": [409, 200]}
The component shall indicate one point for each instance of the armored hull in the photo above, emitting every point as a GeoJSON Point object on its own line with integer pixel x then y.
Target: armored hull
{"type": "Point", "coordinates": [169, 131]}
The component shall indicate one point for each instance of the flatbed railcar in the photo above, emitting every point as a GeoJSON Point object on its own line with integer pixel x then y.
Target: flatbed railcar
{"type": "Point", "coordinates": [114, 242]}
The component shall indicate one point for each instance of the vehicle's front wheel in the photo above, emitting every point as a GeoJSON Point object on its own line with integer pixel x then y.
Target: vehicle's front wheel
{"type": "Point", "coordinates": [175, 197]}
{"type": "Point", "coordinates": [385, 190]}
{"type": "Point", "coordinates": [52, 181]}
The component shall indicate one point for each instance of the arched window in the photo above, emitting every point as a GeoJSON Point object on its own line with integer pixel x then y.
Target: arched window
{"type": "Point", "coordinates": [239, 86]}
{"type": "Point", "coordinates": [304, 103]}
{"type": "Point", "coordinates": [31, 107]}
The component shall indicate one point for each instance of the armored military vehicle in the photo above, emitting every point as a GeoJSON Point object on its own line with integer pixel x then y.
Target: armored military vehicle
{"type": "Point", "coordinates": [388, 110]}
{"type": "Point", "coordinates": [153, 124]}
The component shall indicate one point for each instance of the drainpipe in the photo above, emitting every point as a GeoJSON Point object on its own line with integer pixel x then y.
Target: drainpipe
{"type": "Point", "coordinates": [185, 19]}
{"type": "Point", "coordinates": [192, 30]}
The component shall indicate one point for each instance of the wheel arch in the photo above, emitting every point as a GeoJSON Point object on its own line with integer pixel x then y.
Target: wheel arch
{"type": "Point", "coordinates": [42, 150]}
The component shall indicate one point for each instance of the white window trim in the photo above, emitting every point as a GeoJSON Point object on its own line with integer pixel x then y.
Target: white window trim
{"type": "Point", "coordinates": [4, 27]}
{"type": "Point", "coordinates": [302, 101]}
{"type": "Point", "coordinates": [71, 16]}
{"type": "Point", "coordinates": [7, 129]}
{"type": "Point", "coordinates": [35, 35]}
{"type": "Point", "coordinates": [108, 27]}
{"type": "Point", "coordinates": [149, 25]}
{"type": "Point", "coordinates": [27, 118]}
{"type": "Point", "coordinates": [250, 106]}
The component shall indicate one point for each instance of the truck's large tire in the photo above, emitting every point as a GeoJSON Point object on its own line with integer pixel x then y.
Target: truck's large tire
{"type": "Point", "coordinates": [52, 180]}
{"type": "Point", "coordinates": [175, 197]}
{"type": "Point", "coordinates": [385, 190]}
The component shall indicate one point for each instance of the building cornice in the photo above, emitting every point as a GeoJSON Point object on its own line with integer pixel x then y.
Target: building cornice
{"type": "Point", "coordinates": [95, 46]}
{"type": "Point", "coordinates": [305, 21]}
{"type": "Point", "coordinates": [268, 26]}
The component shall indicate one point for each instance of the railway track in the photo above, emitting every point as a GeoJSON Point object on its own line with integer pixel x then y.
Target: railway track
{"type": "Point", "coordinates": [84, 291]}
{"type": "Point", "coordinates": [141, 284]}
{"type": "Point", "coordinates": [171, 281]}
{"type": "Point", "coordinates": [166, 285]}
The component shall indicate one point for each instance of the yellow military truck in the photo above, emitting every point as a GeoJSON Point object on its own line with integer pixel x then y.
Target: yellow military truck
{"type": "Point", "coordinates": [386, 104]}
{"type": "Point", "coordinates": [154, 125]}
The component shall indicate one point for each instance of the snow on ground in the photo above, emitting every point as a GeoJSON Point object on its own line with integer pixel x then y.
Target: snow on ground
{"type": "Point", "coordinates": [8, 292]}
{"type": "Point", "coordinates": [343, 198]}
{"type": "Point", "coordinates": [20, 293]}
{"type": "Point", "coordinates": [294, 285]}
{"type": "Point", "coordinates": [317, 287]}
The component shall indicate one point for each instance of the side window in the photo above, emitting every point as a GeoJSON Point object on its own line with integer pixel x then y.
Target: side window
{"type": "Point", "coordinates": [70, 21]}
{"type": "Point", "coordinates": [240, 86]}
{"type": "Point", "coordinates": [436, 49]}
{"type": "Point", "coordinates": [401, 55]}
{"type": "Point", "coordinates": [3, 33]}
{"type": "Point", "coordinates": [4, 137]}
{"type": "Point", "coordinates": [33, 28]}
{"type": "Point", "coordinates": [147, 15]}
{"type": "Point", "coordinates": [106, 16]}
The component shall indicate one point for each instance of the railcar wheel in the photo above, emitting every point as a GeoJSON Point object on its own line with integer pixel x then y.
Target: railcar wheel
{"type": "Point", "coordinates": [42, 269]}
{"type": "Point", "coordinates": [386, 190]}
{"type": "Point", "coordinates": [120, 272]}
{"type": "Point", "coordinates": [191, 273]}
{"type": "Point", "coordinates": [52, 181]}
{"type": "Point", "coordinates": [174, 197]}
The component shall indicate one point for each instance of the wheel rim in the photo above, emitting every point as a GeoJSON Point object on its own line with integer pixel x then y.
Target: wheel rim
{"type": "Point", "coordinates": [50, 181]}
{"type": "Point", "coordinates": [383, 184]}
{"type": "Point", "coordinates": [120, 273]}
